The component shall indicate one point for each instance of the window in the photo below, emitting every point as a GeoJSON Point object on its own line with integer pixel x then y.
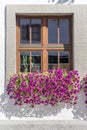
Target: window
{"type": "Point", "coordinates": [52, 59]}
{"type": "Point", "coordinates": [30, 61]}
{"type": "Point", "coordinates": [58, 31]}
{"type": "Point", "coordinates": [30, 31]}
{"type": "Point", "coordinates": [44, 43]}
{"type": "Point", "coordinates": [58, 59]}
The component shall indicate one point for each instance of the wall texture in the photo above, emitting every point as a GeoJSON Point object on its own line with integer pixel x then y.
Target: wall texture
{"type": "Point", "coordinates": [61, 112]}
{"type": "Point", "coordinates": [43, 125]}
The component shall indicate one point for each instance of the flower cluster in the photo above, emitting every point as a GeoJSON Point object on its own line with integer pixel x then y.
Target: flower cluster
{"type": "Point", "coordinates": [84, 85]}
{"type": "Point", "coordinates": [49, 87]}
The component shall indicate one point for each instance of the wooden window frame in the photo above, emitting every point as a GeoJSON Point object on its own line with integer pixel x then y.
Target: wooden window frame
{"type": "Point", "coordinates": [43, 47]}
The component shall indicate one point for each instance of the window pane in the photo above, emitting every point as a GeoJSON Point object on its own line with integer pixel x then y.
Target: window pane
{"type": "Point", "coordinates": [52, 31]}
{"type": "Point", "coordinates": [24, 62]}
{"type": "Point", "coordinates": [64, 31]}
{"type": "Point", "coordinates": [64, 60]}
{"type": "Point", "coordinates": [52, 60]}
{"type": "Point", "coordinates": [36, 61]}
{"type": "Point", "coordinates": [24, 31]}
{"type": "Point", "coordinates": [36, 30]}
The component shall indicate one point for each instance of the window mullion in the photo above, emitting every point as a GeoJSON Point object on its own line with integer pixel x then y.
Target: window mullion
{"type": "Point", "coordinates": [41, 61]}
{"type": "Point", "coordinates": [58, 32]}
{"type": "Point", "coordinates": [30, 60]}
{"type": "Point", "coordinates": [44, 41]}
{"type": "Point", "coordinates": [58, 59]}
{"type": "Point", "coordinates": [69, 60]}
{"type": "Point", "coordinates": [30, 32]}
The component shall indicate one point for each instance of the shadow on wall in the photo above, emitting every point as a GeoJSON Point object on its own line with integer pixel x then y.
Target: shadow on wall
{"type": "Point", "coordinates": [61, 1]}
{"type": "Point", "coordinates": [80, 109]}
{"type": "Point", "coordinates": [7, 107]}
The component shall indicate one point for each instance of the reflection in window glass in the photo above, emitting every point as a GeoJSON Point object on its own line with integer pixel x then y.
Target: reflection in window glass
{"type": "Point", "coordinates": [24, 62]}
{"type": "Point", "coordinates": [24, 31]}
{"type": "Point", "coordinates": [36, 30]}
{"type": "Point", "coordinates": [64, 31]}
{"type": "Point", "coordinates": [64, 59]}
{"type": "Point", "coordinates": [52, 31]}
{"type": "Point", "coordinates": [35, 61]}
{"type": "Point", "coordinates": [52, 60]}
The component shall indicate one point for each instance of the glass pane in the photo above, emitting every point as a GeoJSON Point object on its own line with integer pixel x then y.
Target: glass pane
{"type": "Point", "coordinates": [64, 60]}
{"type": "Point", "coordinates": [36, 30]}
{"type": "Point", "coordinates": [52, 31]}
{"type": "Point", "coordinates": [24, 31]}
{"type": "Point", "coordinates": [24, 62]}
{"type": "Point", "coordinates": [52, 60]}
{"type": "Point", "coordinates": [64, 31]}
{"type": "Point", "coordinates": [35, 61]}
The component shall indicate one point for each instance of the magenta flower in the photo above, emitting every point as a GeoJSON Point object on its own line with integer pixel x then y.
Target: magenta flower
{"type": "Point", "coordinates": [49, 87]}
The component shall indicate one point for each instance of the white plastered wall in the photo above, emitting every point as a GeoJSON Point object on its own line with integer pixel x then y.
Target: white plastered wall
{"type": "Point", "coordinates": [7, 109]}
